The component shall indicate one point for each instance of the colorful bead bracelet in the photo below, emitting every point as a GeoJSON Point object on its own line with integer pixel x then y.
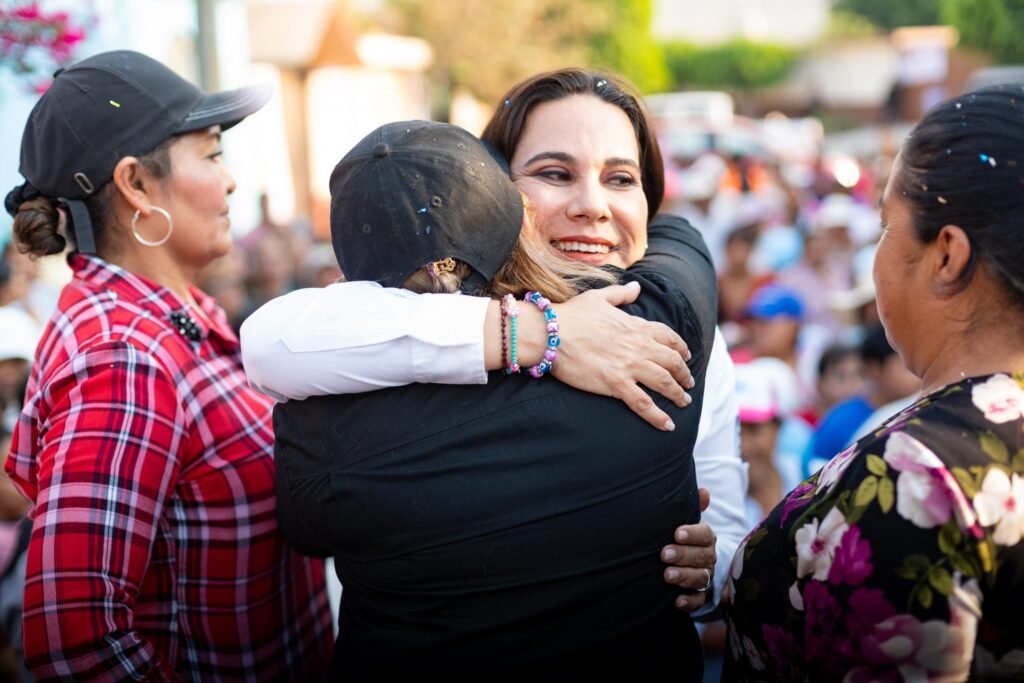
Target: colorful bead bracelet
{"type": "Point", "coordinates": [551, 321]}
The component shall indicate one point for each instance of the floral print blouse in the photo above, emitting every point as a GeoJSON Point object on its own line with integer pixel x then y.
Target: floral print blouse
{"type": "Point", "coordinates": [901, 559]}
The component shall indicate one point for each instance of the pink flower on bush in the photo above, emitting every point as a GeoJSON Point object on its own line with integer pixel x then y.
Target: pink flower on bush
{"type": "Point", "coordinates": [29, 11]}
{"type": "Point", "coordinates": [34, 42]}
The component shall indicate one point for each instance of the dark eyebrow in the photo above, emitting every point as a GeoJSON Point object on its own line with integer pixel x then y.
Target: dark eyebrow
{"type": "Point", "coordinates": [554, 156]}
{"type": "Point", "coordinates": [569, 159]}
{"type": "Point", "coordinates": [622, 161]}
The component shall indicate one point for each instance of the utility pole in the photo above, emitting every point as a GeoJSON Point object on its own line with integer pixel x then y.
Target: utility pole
{"type": "Point", "coordinates": [208, 65]}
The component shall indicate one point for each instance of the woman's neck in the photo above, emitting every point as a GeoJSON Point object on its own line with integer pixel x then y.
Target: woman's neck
{"type": "Point", "coordinates": [984, 351]}
{"type": "Point", "coordinates": [157, 266]}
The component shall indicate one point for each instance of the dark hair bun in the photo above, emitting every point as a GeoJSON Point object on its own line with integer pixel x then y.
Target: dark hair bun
{"type": "Point", "coordinates": [35, 228]}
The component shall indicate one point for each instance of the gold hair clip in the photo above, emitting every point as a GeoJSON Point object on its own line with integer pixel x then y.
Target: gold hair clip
{"type": "Point", "coordinates": [445, 265]}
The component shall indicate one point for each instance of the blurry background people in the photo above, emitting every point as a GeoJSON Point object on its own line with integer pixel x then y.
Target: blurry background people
{"type": "Point", "coordinates": [760, 420]}
{"type": "Point", "coordinates": [736, 280]}
{"type": "Point", "coordinates": [840, 377]}
{"type": "Point", "coordinates": [903, 557]}
{"type": "Point", "coordinates": [888, 388]}
{"type": "Point", "coordinates": [825, 264]}
{"type": "Point", "coordinates": [774, 314]}
{"type": "Point", "coordinates": [19, 334]}
{"type": "Point", "coordinates": [225, 280]}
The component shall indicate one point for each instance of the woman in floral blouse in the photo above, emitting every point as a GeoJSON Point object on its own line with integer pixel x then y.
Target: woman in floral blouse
{"type": "Point", "coordinates": [902, 558]}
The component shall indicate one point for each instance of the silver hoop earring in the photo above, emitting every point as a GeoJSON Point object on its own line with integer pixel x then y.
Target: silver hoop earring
{"type": "Point", "coordinates": [159, 242]}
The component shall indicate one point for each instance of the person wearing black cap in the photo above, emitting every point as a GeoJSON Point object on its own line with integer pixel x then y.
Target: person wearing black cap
{"type": "Point", "coordinates": [508, 530]}
{"type": "Point", "coordinates": [155, 551]}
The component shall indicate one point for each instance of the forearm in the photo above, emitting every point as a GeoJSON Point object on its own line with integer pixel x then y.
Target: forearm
{"type": "Point", "coordinates": [356, 336]}
{"type": "Point", "coordinates": [531, 335]}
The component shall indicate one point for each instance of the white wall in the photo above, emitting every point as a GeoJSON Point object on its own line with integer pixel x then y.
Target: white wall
{"type": "Point", "coordinates": [795, 22]}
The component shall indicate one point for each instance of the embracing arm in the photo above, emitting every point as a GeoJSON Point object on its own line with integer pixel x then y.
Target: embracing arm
{"type": "Point", "coordinates": [107, 462]}
{"type": "Point", "coordinates": [357, 336]}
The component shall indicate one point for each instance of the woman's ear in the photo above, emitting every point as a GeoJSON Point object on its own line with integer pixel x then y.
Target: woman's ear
{"type": "Point", "coordinates": [134, 184]}
{"type": "Point", "coordinates": [953, 259]}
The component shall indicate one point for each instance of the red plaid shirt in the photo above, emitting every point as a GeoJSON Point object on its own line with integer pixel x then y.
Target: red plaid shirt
{"type": "Point", "coordinates": [156, 552]}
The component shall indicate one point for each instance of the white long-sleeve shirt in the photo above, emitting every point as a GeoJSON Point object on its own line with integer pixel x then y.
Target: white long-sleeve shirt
{"type": "Point", "coordinates": [354, 337]}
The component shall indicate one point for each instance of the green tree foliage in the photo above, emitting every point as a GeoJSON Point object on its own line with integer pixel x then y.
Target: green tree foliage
{"type": "Point", "coordinates": [485, 47]}
{"type": "Point", "coordinates": [736, 64]}
{"type": "Point", "coordinates": [891, 14]}
{"type": "Point", "coordinates": [625, 44]}
{"type": "Point", "coordinates": [993, 26]}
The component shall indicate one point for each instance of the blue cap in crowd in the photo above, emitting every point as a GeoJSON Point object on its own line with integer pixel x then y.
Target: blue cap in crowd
{"type": "Point", "coordinates": [775, 301]}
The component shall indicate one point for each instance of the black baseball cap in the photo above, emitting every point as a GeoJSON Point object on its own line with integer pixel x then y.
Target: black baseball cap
{"type": "Point", "coordinates": [104, 108]}
{"type": "Point", "coordinates": [414, 192]}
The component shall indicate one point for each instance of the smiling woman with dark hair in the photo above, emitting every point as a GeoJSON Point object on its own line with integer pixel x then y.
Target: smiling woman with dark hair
{"type": "Point", "coordinates": [902, 558]}
{"type": "Point", "coordinates": [507, 531]}
{"type": "Point", "coordinates": [581, 148]}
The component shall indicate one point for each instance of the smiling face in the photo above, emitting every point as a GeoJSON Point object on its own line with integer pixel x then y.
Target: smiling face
{"type": "Point", "coordinates": [196, 195]}
{"type": "Point", "coordinates": [578, 162]}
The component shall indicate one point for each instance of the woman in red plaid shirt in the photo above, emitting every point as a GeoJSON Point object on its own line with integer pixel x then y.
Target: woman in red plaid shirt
{"type": "Point", "coordinates": [155, 552]}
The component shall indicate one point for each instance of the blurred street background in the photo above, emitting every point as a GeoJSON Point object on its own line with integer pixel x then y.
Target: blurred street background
{"type": "Point", "coordinates": [779, 121]}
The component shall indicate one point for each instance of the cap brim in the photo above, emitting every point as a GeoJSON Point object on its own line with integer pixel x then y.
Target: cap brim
{"type": "Point", "coordinates": [757, 415]}
{"type": "Point", "coordinates": [225, 109]}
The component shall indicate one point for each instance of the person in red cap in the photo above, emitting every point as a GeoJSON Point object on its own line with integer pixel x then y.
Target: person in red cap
{"type": "Point", "coordinates": [155, 551]}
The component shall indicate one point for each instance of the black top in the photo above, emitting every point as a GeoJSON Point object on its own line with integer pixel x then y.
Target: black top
{"type": "Point", "coordinates": [507, 529]}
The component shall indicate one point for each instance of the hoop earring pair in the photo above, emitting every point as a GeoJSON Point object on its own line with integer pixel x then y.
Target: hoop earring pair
{"type": "Point", "coordinates": [149, 243]}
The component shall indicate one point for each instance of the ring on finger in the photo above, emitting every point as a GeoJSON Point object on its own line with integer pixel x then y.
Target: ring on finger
{"type": "Point", "coordinates": [708, 584]}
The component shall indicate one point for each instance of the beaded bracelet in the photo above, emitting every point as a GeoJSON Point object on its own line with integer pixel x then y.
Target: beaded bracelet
{"type": "Point", "coordinates": [504, 341]}
{"type": "Point", "coordinates": [551, 320]}
{"type": "Point", "coordinates": [510, 309]}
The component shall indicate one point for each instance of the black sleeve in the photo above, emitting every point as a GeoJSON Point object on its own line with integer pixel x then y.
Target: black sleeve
{"type": "Point", "coordinates": [679, 284]}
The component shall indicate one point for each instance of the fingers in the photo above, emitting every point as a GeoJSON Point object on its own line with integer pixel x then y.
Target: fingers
{"type": "Point", "coordinates": [618, 295]}
{"type": "Point", "coordinates": [690, 578]}
{"type": "Point", "coordinates": [661, 381]}
{"type": "Point", "coordinates": [696, 557]}
{"type": "Point", "coordinates": [691, 601]}
{"type": "Point", "coordinates": [704, 497]}
{"type": "Point", "coordinates": [699, 534]}
{"type": "Point", "coordinates": [637, 400]}
{"type": "Point", "coordinates": [663, 334]}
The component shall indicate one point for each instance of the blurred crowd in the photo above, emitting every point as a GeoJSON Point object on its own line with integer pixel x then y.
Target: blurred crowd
{"type": "Point", "coordinates": [794, 252]}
